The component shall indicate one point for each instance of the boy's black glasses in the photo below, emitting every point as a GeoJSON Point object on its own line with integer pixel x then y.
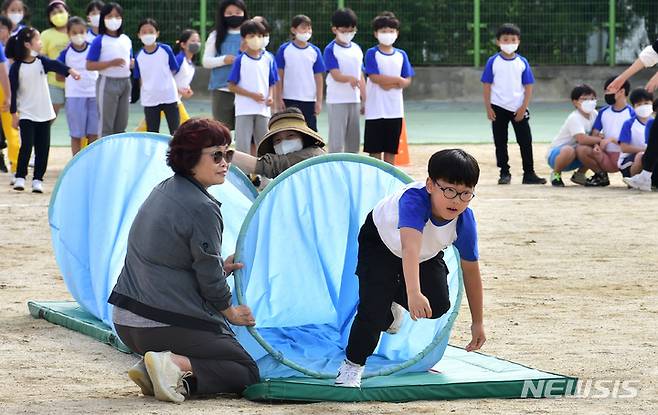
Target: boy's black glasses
{"type": "Point", "coordinates": [219, 155]}
{"type": "Point", "coordinates": [451, 193]}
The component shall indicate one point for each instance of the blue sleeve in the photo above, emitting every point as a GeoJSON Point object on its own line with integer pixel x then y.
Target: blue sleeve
{"type": "Point", "coordinates": [647, 131]}
{"type": "Point", "coordinates": [527, 78]}
{"type": "Point", "coordinates": [370, 62]}
{"type": "Point", "coordinates": [280, 59]}
{"type": "Point", "coordinates": [488, 75]}
{"type": "Point", "coordinates": [180, 58]}
{"type": "Point", "coordinates": [625, 135]}
{"type": "Point", "coordinates": [3, 57]}
{"type": "Point", "coordinates": [467, 236]}
{"type": "Point", "coordinates": [274, 72]}
{"type": "Point", "coordinates": [330, 61]}
{"type": "Point", "coordinates": [62, 56]}
{"type": "Point", "coordinates": [598, 123]}
{"type": "Point", "coordinates": [50, 65]}
{"type": "Point", "coordinates": [13, 85]}
{"type": "Point", "coordinates": [407, 69]}
{"type": "Point", "coordinates": [173, 63]}
{"type": "Point", "coordinates": [631, 111]}
{"type": "Point", "coordinates": [234, 77]}
{"type": "Point", "coordinates": [136, 72]}
{"type": "Point", "coordinates": [94, 53]}
{"type": "Point", "coordinates": [414, 209]}
{"type": "Point", "coordinates": [318, 66]}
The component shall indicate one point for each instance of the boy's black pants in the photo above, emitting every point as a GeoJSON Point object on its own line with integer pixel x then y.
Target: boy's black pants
{"type": "Point", "coordinates": [650, 158]}
{"type": "Point", "coordinates": [523, 138]}
{"type": "Point", "coordinates": [381, 282]}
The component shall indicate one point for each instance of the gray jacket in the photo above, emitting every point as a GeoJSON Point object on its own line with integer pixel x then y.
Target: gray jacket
{"type": "Point", "coordinates": [271, 165]}
{"type": "Point", "coordinates": [173, 271]}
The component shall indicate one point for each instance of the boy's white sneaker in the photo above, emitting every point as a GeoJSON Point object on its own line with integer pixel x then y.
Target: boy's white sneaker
{"type": "Point", "coordinates": [19, 183]}
{"type": "Point", "coordinates": [166, 377]}
{"type": "Point", "coordinates": [140, 376]}
{"type": "Point", "coordinates": [37, 186]}
{"type": "Point", "coordinates": [349, 375]}
{"type": "Point", "coordinates": [640, 181]}
{"type": "Point", "coordinates": [398, 318]}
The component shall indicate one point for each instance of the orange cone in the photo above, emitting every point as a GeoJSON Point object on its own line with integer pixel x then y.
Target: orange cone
{"type": "Point", "coordinates": [402, 158]}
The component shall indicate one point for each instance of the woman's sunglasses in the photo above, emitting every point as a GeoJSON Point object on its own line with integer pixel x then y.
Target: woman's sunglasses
{"type": "Point", "coordinates": [219, 155]}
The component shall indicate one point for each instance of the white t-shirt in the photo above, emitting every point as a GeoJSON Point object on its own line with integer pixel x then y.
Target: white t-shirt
{"type": "Point", "coordinates": [156, 70]}
{"type": "Point", "coordinates": [508, 78]}
{"type": "Point", "coordinates": [649, 55]}
{"type": "Point", "coordinates": [91, 36]}
{"type": "Point", "coordinates": [86, 86]}
{"type": "Point", "coordinates": [106, 48]}
{"type": "Point", "coordinates": [348, 60]}
{"type": "Point", "coordinates": [185, 72]}
{"type": "Point", "coordinates": [379, 102]}
{"type": "Point", "coordinates": [610, 121]}
{"type": "Point", "coordinates": [633, 132]}
{"type": "Point", "coordinates": [576, 123]}
{"type": "Point", "coordinates": [254, 75]}
{"type": "Point", "coordinates": [29, 81]}
{"type": "Point", "coordinates": [300, 66]}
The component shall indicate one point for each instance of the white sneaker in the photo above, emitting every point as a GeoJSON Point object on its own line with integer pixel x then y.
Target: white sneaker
{"type": "Point", "coordinates": [140, 376]}
{"type": "Point", "coordinates": [349, 375]}
{"type": "Point", "coordinates": [37, 186]}
{"type": "Point", "coordinates": [19, 183]}
{"type": "Point", "coordinates": [398, 318]}
{"type": "Point", "coordinates": [166, 377]}
{"type": "Point", "coordinates": [640, 181]}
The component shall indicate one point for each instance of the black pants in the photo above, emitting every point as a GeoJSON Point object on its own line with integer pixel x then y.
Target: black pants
{"type": "Point", "coordinates": [307, 108]}
{"type": "Point", "coordinates": [650, 158]}
{"type": "Point", "coordinates": [152, 115]}
{"type": "Point", "coordinates": [381, 282]}
{"type": "Point", "coordinates": [37, 135]}
{"type": "Point", "coordinates": [219, 363]}
{"type": "Point", "coordinates": [523, 138]}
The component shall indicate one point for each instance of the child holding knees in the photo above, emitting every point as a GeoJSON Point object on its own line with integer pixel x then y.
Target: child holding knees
{"type": "Point", "coordinates": [632, 138]}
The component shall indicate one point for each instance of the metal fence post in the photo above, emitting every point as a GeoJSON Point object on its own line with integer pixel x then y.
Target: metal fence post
{"type": "Point", "coordinates": [203, 12]}
{"type": "Point", "coordinates": [612, 26]}
{"type": "Point", "coordinates": [476, 33]}
{"type": "Point", "coordinates": [341, 4]}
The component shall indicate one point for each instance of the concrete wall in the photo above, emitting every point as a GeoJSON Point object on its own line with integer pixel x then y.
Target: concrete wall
{"type": "Point", "coordinates": [553, 83]}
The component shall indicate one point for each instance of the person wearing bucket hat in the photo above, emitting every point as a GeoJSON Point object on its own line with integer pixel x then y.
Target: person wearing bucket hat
{"type": "Point", "coordinates": [288, 142]}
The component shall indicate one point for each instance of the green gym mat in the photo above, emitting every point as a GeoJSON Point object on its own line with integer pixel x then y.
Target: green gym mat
{"type": "Point", "coordinates": [459, 375]}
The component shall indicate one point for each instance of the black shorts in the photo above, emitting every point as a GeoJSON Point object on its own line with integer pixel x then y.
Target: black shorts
{"type": "Point", "coordinates": [382, 135]}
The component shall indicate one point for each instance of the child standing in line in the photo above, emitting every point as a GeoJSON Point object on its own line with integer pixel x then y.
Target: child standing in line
{"type": "Point", "coordinates": [400, 257]}
{"type": "Point", "coordinates": [508, 81]}
{"type": "Point", "coordinates": [17, 12]}
{"type": "Point", "coordinates": [632, 139]}
{"type": "Point", "coordinates": [252, 80]}
{"type": "Point", "coordinates": [81, 106]}
{"type": "Point", "coordinates": [389, 73]}
{"type": "Point", "coordinates": [31, 99]}
{"type": "Point", "coordinates": [189, 43]}
{"type": "Point", "coordinates": [345, 84]}
{"type": "Point", "coordinates": [55, 40]}
{"type": "Point", "coordinates": [111, 55]}
{"type": "Point", "coordinates": [94, 18]}
{"type": "Point", "coordinates": [155, 66]}
{"type": "Point", "coordinates": [8, 136]}
{"type": "Point", "coordinates": [301, 67]}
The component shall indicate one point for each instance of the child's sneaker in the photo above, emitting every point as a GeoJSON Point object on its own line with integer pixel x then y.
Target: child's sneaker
{"type": "Point", "coordinates": [19, 184]}
{"type": "Point", "coordinates": [579, 178]}
{"type": "Point", "coordinates": [532, 178]}
{"type": "Point", "coordinates": [556, 179]}
{"type": "Point", "coordinates": [505, 177]}
{"type": "Point", "coordinates": [598, 180]}
{"type": "Point", "coordinates": [37, 186]}
{"type": "Point", "coordinates": [398, 318]}
{"type": "Point", "coordinates": [349, 375]}
{"type": "Point", "coordinates": [640, 181]}
{"type": "Point", "coordinates": [140, 376]}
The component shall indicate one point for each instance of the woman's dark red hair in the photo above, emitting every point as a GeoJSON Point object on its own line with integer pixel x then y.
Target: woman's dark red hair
{"type": "Point", "coordinates": [191, 138]}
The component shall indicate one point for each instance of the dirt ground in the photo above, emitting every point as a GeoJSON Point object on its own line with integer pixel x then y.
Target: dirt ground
{"type": "Point", "coordinates": [570, 287]}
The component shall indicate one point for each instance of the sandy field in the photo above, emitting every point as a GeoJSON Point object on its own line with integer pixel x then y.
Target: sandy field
{"type": "Point", "coordinates": [570, 287]}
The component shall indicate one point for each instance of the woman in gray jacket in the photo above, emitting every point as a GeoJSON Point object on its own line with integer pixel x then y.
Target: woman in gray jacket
{"type": "Point", "coordinates": [171, 301]}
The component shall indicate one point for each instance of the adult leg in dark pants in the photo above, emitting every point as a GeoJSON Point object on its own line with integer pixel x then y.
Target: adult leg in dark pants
{"type": "Point", "coordinates": [381, 282]}
{"type": "Point", "coordinates": [219, 363]}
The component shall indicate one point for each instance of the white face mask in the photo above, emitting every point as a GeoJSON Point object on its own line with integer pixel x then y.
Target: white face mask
{"type": "Point", "coordinates": [509, 48]}
{"type": "Point", "coordinates": [644, 111]}
{"type": "Point", "coordinates": [78, 40]}
{"type": "Point", "coordinates": [16, 18]}
{"type": "Point", "coordinates": [288, 146]}
{"type": "Point", "coordinates": [113, 23]}
{"type": "Point", "coordinates": [345, 37]}
{"type": "Point", "coordinates": [148, 40]}
{"type": "Point", "coordinates": [95, 20]}
{"type": "Point", "coordinates": [266, 41]}
{"type": "Point", "coordinates": [255, 43]}
{"type": "Point", "coordinates": [387, 38]}
{"type": "Point", "coordinates": [588, 106]}
{"type": "Point", "coordinates": [304, 37]}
